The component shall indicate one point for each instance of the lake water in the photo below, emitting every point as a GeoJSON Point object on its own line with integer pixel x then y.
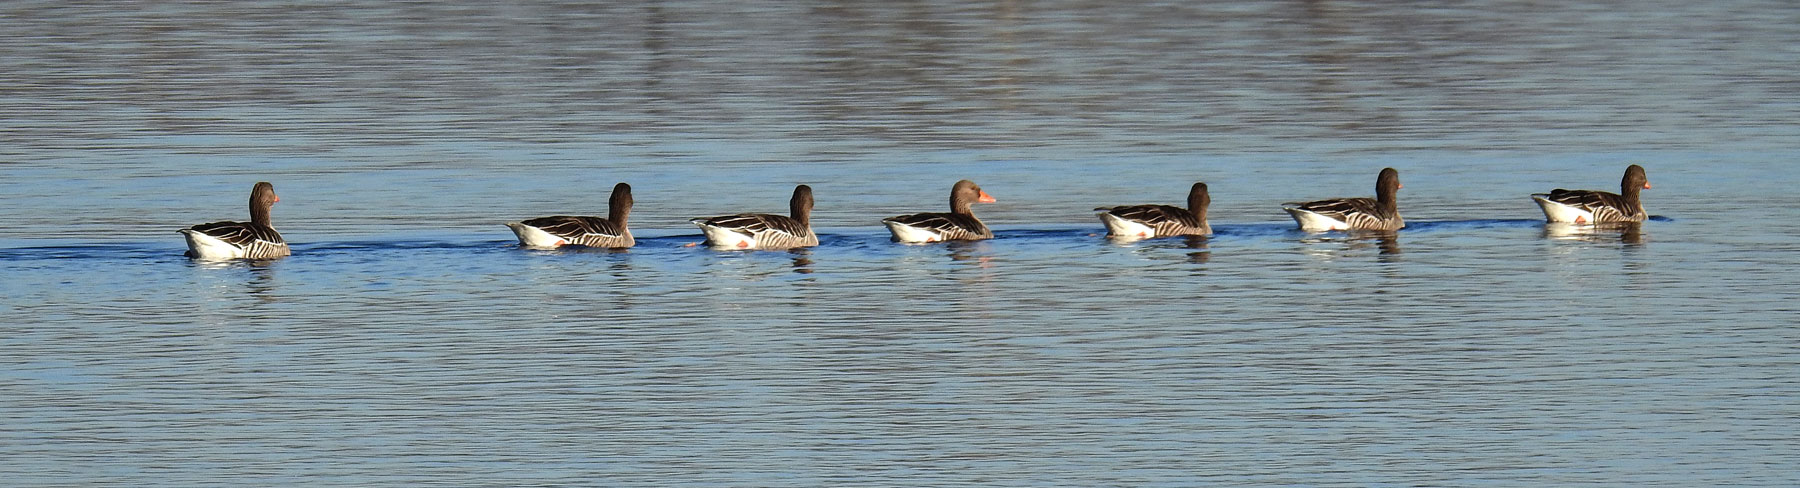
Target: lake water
{"type": "Point", "coordinates": [408, 341]}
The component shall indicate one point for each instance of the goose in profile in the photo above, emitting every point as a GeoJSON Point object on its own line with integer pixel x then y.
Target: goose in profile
{"type": "Point", "coordinates": [1145, 221]}
{"type": "Point", "coordinates": [1379, 213]}
{"type": "Point", "coordinates": [764, 231]}
{"type": "Point", "coordinates": [560, 230]}
{"type": "Point", "coordinates": [256, 239]}
{"type": "Point", "coordinates": [959, 224]}
{"type": "Point", "coordinates": [1593, 206]}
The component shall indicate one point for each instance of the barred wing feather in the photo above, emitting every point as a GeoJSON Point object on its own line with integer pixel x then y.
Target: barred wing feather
{"type": "Point", "coordinates": [949, 226]}
{"type": "Point", "coordinates": [1605, 206]}
{"type": "Point", "coordinates": [1167, 220]}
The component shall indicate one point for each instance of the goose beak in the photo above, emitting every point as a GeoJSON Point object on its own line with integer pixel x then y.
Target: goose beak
{"type": "Point", "coordinates": [277, 197]}
{"type": "Point", "coordinates": [1646, 185]}
{"type": "Point", "coordinates": [986, 198]}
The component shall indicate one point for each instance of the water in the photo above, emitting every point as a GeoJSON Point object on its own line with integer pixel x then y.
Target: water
{"type": "Point", "coordinates": [407, 341]}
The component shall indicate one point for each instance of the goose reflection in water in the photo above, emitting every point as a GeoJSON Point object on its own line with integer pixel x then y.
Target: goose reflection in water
{"type": "Point", "coordinates": [1199, 251]}
{"type": "Point", "coordinates": [971, 251]}
{"type": "Point", "coordinates": [258, 281]}
{"type": "Point", "coordinates": [803, 262]}
{"type": "Point", "coordinates": [1386, 242]}
{"type": "Point", "coordinates": [1197, 244]}
{"type": "Point", "coordinates": [1629, 233]}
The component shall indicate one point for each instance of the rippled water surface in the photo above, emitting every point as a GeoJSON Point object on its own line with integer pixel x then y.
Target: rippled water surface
{"type": "Point", "coordinates": [409, 341]}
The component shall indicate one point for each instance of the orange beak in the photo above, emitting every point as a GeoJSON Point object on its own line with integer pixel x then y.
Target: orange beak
{"type": "Point", "coordinates": [277, 197]}
{"type": "Point", "coordinates": [986, 198]}
{"type": "Point", "coordinates": [1646, 185]}
{"type": "Point", "coordinates": [1399, 186]}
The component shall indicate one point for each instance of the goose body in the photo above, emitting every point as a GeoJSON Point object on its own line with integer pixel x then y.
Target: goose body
{"type": "Point", "coordinates": [560, 230]}
{"type": "Point", "coordinates": [959, 224]}
{"type": "Point", "coordinates": [1146, 221]}
{"type": "Point", "coordinates": [1379, 213]}
{"type": "Point", "coordinates": [764, 231]}
{"type": "Point", "coordinates": [256, 239]}
{"type": "Point", "coordinates": [1593, 206]}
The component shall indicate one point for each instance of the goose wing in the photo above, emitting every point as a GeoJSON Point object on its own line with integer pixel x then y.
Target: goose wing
{"type": "Point", "coordinates": [1588, 199]}
{"type": "Point", "coordinates": [1154, 215]}
{"type": "Point", "coordinates": [951, 226]}
{"type": "Point", "coordinates": [757, 224]}
{"type": "Point", "coordinates": [241, 234]}
{"type": "Point", "coordinates": [1606, 206]}
{"type": "Point", "coordinates": [1342, 209]}
{"type": "Point", "coordinates": [575, 228]}
{"type": "Point", "coordinates": [252, 240]}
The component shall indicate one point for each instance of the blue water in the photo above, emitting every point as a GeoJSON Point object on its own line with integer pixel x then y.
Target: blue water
{"type": "Point", "coordinates": [409, 341]}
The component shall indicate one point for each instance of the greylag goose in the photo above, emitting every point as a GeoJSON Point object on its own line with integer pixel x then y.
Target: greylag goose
{"type": "Point", "coordinates": [1593, 206]}
{"type": "Point", "coordinates": [255, 239]}
{"type": "Point", "coordinates": [1379, 213]}
{"type": "Point", "coordinates": [764, 231]}
{"type": "Point", "coordinates": [559, 230]}
{"type": "Point", "coordinates": [1143, 221]}
{"type": "Point", "coordinates": [959, 224]}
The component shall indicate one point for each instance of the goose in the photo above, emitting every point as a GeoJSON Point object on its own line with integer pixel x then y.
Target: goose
{"type": "Point", "coordinates": [559, 230]}
{"type": "Point", "coordinates": [959, 224]}
{"type": "Point", "coordinates": [1143, 221]}
{"type": "Point", "coordinates": [764, 231]}
{"type": "Point", "coordinates": [255, 239]}
{"type": "Point", "coordinates": [1593, 206]}
{"type": "Point", "coordinates": [1379, 213]}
